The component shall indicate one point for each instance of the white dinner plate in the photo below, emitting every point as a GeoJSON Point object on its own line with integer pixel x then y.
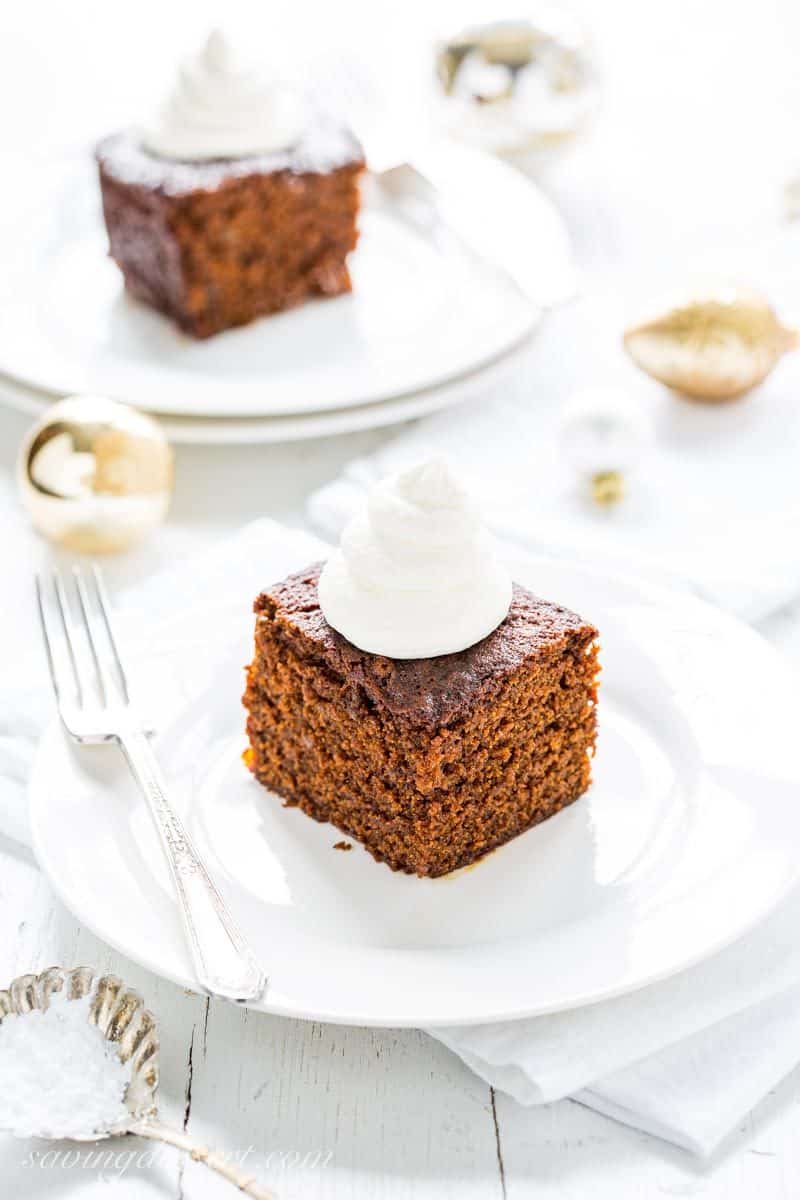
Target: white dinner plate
{"type": "Point", "coordinates": [688, 836]}
{"type": "Point", "coordinates": [423, 312]}
{"type": "Point", "coordinates": [234, 431]}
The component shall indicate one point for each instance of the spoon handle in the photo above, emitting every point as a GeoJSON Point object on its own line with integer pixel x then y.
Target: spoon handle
{"type": "Point", "coordinates": [215, 1159]}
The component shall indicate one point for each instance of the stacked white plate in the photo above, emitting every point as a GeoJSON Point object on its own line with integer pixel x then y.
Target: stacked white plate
{"type": "Point", "coordinates": [428, 323]}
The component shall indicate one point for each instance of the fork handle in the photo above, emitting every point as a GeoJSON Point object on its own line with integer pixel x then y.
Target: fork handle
{"type": "Point", "coordinates": [223, 962]}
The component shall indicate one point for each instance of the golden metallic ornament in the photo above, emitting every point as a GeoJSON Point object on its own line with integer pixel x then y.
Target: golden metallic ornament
{"type": "Point", "coordinates": [94, 475]}
{"type": "Point", "coordinates": [712, 347]}
{"type": "Point", "coordinates": [608, 487]}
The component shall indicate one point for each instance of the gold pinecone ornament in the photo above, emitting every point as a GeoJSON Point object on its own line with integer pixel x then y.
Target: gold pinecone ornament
{"type": "Point", "coordinates": [712, 347]}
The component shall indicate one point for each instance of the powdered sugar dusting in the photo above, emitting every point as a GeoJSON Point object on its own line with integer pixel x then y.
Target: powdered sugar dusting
{"type": "Point", "coordinates": [324, 146]}
{"type": "Point", "coordinates": [60, 1077]}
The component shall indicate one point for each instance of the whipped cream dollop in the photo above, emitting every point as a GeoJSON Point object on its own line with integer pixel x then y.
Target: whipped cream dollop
{"type": "Point", "coordinates": [221, 107]}
{"type": "Point", "coordinates": [416, 574]}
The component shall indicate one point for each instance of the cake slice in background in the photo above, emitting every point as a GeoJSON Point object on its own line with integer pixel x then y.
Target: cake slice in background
{"type": "Point", "coordinates": [239, 201]}
{"type": "Point", "coordinates": [429, 760]}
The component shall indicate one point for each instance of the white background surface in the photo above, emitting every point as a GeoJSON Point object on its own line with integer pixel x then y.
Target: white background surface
{"type": "Point", "coordinates": [699, 131]}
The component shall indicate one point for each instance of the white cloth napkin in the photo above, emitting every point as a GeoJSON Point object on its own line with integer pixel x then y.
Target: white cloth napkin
{"type": "Point", "coordinates": [684, 1059]}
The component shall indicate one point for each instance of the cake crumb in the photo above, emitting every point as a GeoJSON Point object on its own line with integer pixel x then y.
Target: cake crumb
{"type": "Point", "coordinates": [343, 845]}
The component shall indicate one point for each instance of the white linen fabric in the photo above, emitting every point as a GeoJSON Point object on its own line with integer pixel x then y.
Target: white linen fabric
{"type": "Point", "coordinates": [684, 1059]}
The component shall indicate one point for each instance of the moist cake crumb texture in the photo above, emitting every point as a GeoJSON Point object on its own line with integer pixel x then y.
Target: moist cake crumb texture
{"type": "Point", "coordinates": [215, 245]}
{"type": "Point", "coordinates": [429, 763]}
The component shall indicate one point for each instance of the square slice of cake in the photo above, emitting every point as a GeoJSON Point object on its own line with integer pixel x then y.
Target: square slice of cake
{"type": "Point", "coordinates": [431, 762]}
{"type": "Point", "coordinates": [216, 244]}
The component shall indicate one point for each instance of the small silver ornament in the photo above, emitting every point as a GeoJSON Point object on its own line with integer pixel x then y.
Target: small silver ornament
{"type": "Point", "coordinates": [603, 437]}
{"type": "Point", "coordinates": [513, 86]}
{"type": "Point", "coordinates": [95, 476]}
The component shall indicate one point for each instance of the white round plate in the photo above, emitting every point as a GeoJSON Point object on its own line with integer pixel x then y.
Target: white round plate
{"type": "Point", "coordinates": [688, 836]}
{"type": "Point", "coordinates": [423, 311]}
{"type": "Point", "coordinates": [234, 431]}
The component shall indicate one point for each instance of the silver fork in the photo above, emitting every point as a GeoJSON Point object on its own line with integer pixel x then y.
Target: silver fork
{"type": "Point", "coordinates": [94, 704]}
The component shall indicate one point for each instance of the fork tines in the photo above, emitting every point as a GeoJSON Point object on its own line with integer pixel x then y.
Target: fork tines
{"type": "Point", "coordinates": [82, 652]}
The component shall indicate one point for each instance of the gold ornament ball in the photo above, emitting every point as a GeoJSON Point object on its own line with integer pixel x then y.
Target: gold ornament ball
{"type": "Point", "coordinates": [95, 476]}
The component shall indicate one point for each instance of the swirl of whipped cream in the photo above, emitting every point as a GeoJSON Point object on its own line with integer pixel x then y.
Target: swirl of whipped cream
{"type": "Point", "coordinates": [415, 575]}
{"type": "Point", "coordinates": [220, 108]}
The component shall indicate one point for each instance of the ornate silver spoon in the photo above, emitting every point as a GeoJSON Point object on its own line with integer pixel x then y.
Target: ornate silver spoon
{"type": "Point", "coordinates": [121, 1018]}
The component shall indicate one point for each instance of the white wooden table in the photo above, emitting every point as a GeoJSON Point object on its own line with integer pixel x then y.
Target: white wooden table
{"type": "Point", "coordinates": [690, 152]}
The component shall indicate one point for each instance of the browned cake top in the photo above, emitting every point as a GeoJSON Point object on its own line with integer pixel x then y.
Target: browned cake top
{"type": "Point", "coordinates": [429, 691]}
{"type": "Point", "coordinates": [324, 146]}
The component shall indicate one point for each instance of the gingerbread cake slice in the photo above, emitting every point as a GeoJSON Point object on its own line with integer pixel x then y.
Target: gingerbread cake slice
{"type": "Point", "coordinates": [429, 762]}
{"type": "Point", "coordinates": [216, 244]}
